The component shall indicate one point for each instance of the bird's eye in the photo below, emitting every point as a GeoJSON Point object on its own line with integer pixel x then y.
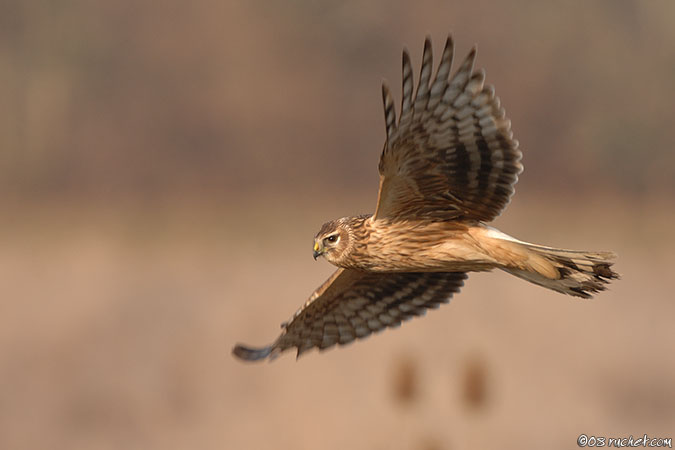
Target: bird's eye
{"type": "Point", "coordinates": [332, 239]}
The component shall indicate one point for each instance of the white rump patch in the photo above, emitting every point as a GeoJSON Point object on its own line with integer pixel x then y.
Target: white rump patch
{"type": "Point", "coordinates": [496, 234]}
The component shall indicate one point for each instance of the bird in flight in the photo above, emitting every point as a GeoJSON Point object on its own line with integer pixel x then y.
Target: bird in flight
{"type": "Point", "coordinates": [448, 167]}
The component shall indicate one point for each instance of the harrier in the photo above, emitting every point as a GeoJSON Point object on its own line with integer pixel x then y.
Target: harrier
{"type": "Point", "coordinates": [448, 167]}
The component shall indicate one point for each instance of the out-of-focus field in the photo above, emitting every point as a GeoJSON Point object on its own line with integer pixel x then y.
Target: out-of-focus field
{"type": "Point", "coordinates": [164, 167]}
{"type": "Point", "coordinates": [118, 326]}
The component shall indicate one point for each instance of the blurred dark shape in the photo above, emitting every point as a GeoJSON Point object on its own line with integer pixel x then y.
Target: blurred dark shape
{"type": "Point", "coordinates": [474, 387]}
{"type": "Point", "coordinates": [405, 381]}
{"type": "Point", "coordinates": [430, 443]}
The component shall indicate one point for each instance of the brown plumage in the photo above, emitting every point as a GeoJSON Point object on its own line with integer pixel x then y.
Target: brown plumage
{"type": "Point", "coordinates": [448, 166]}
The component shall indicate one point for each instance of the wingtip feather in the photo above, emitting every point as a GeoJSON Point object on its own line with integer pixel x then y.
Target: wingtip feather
{"type": "Point", "coordinates": [427, 41]}
{"type": "Point", "coordinates": [389, 110]}
{"type": "Point", "coordinates": [449, 41]}
{"type": "Point", "coordinates": [251, 353]}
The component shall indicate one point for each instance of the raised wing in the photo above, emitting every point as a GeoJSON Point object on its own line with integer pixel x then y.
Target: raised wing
{"type": "Point", "coordinates": [353, 304]}
{"type": "Point", "coordinates": [452, 154]}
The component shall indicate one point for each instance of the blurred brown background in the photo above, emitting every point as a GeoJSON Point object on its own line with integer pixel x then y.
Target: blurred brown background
{"type": "Point", "coordinates": [165, 165]}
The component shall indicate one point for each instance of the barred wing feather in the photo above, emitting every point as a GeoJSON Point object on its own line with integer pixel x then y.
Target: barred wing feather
{"type": "Point", "coordinates": [353, 304]}
{"type": "Point", "coordinates": [451, 155]}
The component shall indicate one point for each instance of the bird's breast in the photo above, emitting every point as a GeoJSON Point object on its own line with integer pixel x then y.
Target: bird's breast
{"type": "Point", "coordinates": [416, 247]}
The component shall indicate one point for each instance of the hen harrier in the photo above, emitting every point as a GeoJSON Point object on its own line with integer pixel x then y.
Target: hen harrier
{"type": "Point", "coordinates": [449, 165]}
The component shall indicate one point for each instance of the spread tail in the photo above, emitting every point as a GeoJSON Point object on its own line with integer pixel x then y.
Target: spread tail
{"type": "Point", "coordinates": [571, 272]}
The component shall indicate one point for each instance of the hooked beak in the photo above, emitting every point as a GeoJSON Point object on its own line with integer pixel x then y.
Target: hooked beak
{"type": "Point", "coordinates": [317, 250]}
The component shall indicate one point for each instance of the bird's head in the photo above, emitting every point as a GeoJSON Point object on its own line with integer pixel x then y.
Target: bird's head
{"type": "Point", "coordinates": [332, 241]}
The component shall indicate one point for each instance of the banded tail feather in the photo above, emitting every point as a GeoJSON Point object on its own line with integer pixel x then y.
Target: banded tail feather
{"type": "Point", "coordinates": [577, 273]}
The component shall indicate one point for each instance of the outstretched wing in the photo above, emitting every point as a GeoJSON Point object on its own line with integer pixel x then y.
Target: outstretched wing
{"type": "Point", "coordinates": [352, 304]}
{"type": "Point", "coordinates": [452, 154]}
